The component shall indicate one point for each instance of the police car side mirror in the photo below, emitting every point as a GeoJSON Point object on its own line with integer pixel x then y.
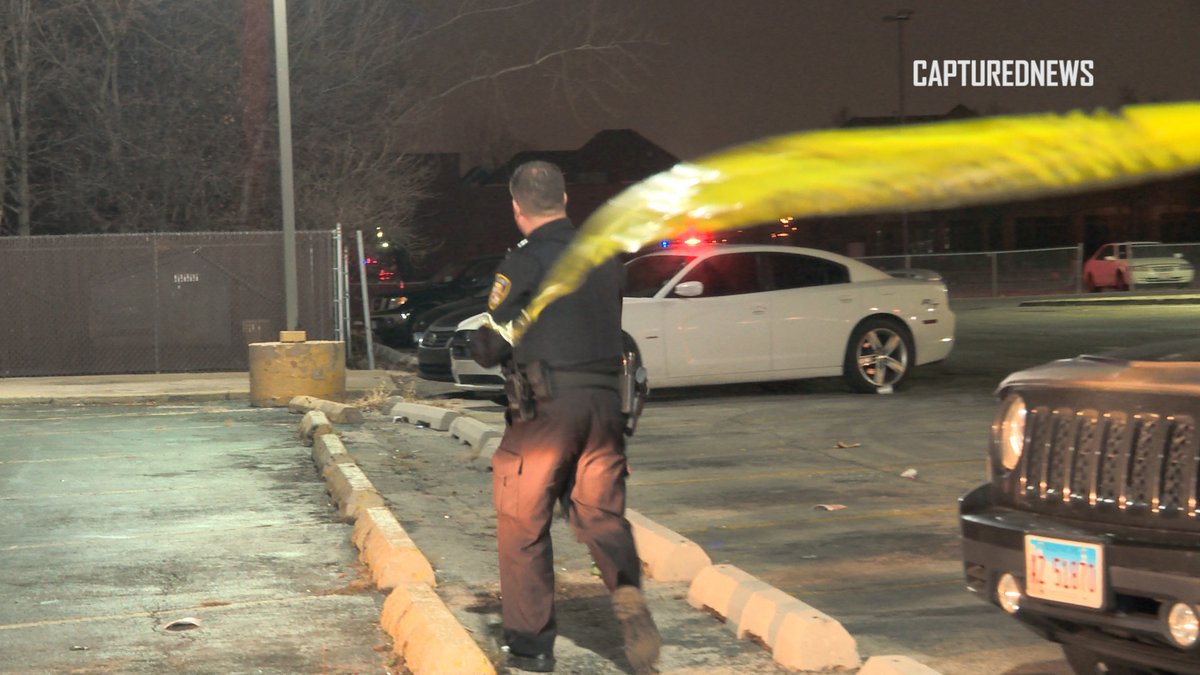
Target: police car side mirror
{"type": "Point", "coordinates": [690, 289]}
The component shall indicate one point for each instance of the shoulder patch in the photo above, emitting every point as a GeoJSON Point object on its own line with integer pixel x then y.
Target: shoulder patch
{"type": "Point", "coordinates": [500, 288]}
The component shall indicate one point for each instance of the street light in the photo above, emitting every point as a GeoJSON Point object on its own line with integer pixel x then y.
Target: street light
{"type": "Point", "coordinates": [899, 18]}
{"type": "Point", "coordinates": [283, 91]}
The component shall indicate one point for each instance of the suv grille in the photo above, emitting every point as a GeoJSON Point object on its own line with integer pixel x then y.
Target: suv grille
{"type": "Point", "coordinates": [1136, 463]}
{"type": "Point", "coordinates": [460, 344]}
{"type": "Point", "coordinates": [436, 339]}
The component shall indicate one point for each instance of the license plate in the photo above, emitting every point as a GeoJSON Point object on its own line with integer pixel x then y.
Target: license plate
{"type": "Point", "coordinates": [1070, 572]}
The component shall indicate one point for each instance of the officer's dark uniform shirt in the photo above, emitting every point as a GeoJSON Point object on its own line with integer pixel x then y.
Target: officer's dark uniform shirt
{"type": "Point", "coordinates": [577, 332]}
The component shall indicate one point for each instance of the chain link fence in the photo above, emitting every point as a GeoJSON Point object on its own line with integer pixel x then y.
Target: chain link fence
{"type": "Point", "coordinates": [1190, 252]}
{"type": "Point", "coordinates": [1045, 271]}
{"type": "Point", "coordinates": [148, 303]}
{"type": "Point", "coordinates": [97, 304]}
{"type": "Point", "coordinates": [1027, 272]}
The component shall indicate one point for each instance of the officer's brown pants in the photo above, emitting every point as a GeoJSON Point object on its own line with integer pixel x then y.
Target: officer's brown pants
{"type": "Point", "coordinates": [576, 444]}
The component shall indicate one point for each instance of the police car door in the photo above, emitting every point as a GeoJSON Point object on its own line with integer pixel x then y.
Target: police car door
{"type": "Point", "coordinates": [722, 331]}
{"type": "Point", "coordinates": [813, 308]}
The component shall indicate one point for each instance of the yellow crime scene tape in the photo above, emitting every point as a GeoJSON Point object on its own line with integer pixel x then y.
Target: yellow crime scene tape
{"type": "Point", "coordinates": [845, 172]}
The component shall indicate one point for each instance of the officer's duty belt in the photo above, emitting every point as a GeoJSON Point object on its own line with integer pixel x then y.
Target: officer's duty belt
{"type": "Point", "coordinates": [568, 379]}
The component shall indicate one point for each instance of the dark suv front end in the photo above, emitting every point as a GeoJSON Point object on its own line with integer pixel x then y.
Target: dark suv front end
{"type": "Point", "coordinates": [1087, 530]}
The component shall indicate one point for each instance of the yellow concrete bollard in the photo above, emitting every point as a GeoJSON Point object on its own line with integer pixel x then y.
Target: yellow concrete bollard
{"type": "Point", "coordinates": [281, 371]}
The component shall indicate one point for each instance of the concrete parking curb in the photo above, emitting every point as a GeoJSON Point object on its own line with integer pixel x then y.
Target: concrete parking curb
{"type": "Point", "coordinates": [425, 632]}
{"type": "Point", "coordinates": [438, 419]}
{"type": "Point", "coordinates": [483, 460]}
{"type": "Point", "coordinates": [313, 425]}
{"type": "Point", "coordinates": [715, 587]}
{"type": "Point", "coordinates": [473, 432]}
{"type": "Point", "coordinates": [328, 450]}
{"type": "Point", "coordinates": [432, 640]}
{"type": "Point", "coordinates": [666, 555]}
{"type": "Point", "coordinates": [799, 636]}
{"type": "Point", "coordinates": [339, 413]}
{"type": "Point", "coordinates": [895, 665]}
{"type": "Point", "coordinates": [1119, 300]}
{"type": "Point", "coordinates": [388, 551]}
{"type": "Point", "coordinates": [351, 490]}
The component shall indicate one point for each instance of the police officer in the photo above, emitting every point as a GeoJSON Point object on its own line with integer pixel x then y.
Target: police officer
{"type": "Point", "coordinates": [564, 437]}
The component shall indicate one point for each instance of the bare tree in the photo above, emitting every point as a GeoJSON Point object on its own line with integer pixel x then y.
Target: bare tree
{"type": "Point", "coordinates": [139, 115]}
{"type": "Point", "coordinates": [16, 65]}
{"type": "Point", "coordinates": [142, 138]}
{"type": "Point", "coordinates": [368, 76]}
{"type": "Point", "coordinates": [351, 103]}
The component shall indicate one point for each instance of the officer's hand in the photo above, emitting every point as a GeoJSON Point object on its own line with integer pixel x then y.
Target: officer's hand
{"type": "Point", "coordinates": [488, 349]}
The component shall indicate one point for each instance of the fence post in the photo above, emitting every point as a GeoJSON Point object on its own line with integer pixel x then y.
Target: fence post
{"type": "Point", "coordinates": [344, 315]}
{"type": "Point", "coordinates": [153, 238]}
{"type": "Point", "coordinates": [1078, 269]}
{"type": "Point", "coordinates": [995, 276]}
{"type": "Point", "coordinates": [338, 289]}
{"type": "Point", "coordinates": [362, 277]}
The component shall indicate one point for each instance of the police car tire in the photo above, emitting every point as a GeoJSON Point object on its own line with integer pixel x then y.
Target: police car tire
{"type": "Point", "coordinates": [852, 372]}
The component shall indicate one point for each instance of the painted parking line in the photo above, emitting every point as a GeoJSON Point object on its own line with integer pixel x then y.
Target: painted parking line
{"type": "Point", "coordinates": [127, 430]}
{"type": "Point", "coordinates": [105, 493]}
{"type": "Point", "coordinates": [61, 542]}
{"type": "Point", "coordinates": [179, 610]}
{"type": "Point", "coordinates": [876, 588]}
{"type": "Point", "coordinates": [831, 517]}
{"type": "Point", "coordinates": [805, 473]}
{"type": "Point", "coordinates": [76, 458]}
{"type": "Point", "coordinates": [94, 416]}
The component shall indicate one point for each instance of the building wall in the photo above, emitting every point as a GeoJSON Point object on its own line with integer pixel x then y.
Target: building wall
{"type": "Point", "coordinates": [474, 217]}
{"type": "Point", "coordinates": [1167, 210]}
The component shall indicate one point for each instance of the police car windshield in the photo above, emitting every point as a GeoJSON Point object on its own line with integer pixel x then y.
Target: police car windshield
{"type": "Point", "coordinates": [644, 276]}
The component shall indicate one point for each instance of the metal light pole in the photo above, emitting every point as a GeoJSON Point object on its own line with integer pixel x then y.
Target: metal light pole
{"type": "Point", "coordinates": [899, 18]}
{"type": "Point", "coordinates": [283, 92]}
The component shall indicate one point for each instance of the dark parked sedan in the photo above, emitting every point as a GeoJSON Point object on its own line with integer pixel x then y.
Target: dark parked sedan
{"type": "Point", "coordinates": [405, 316]}
{"type": "Point", "coordinates": [1088, 530]}
{"type": "Point", "coordinates": [433, 349]}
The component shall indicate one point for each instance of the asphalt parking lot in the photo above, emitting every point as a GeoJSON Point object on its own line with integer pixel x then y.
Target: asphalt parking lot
{"type": "Point", "coordinates": [122, 519]}
{"type": "Point", "coordinates": [743, 471]}
{"type": "Point", "coordinates": [119, 520]}
{"type": "Point", "coordinates": [746, 470]}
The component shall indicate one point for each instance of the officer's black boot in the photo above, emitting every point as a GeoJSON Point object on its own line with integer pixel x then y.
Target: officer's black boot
{"type": "Point", "coordinates": [535, 663]}
{"type": "Point", "coordinates": [642, 641]}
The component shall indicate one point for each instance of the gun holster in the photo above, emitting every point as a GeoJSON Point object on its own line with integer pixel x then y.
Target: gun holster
{"type": "Point", "coordinates": [634, 386]}
{"type": "Point", "coordinates": [541, 380]}
{"type": "Point", "coordinates": [522, 405]}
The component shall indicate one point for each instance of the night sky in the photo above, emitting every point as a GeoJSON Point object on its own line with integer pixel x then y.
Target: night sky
{"type": "Point", "coordinates": [731, 71]}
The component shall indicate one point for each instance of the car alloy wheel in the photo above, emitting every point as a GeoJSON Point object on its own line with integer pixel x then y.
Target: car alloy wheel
{"type": "Point", "coordinates": [878, 356]}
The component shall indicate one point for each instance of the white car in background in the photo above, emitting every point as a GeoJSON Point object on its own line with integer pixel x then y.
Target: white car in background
{"type": "Point", "coordinates": [718, 314]}
{"type": "Point", "coordinates": [1137, 264]}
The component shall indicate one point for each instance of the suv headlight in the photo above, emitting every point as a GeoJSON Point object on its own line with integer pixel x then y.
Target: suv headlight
{"type": "Point", "coordinates": [1008, 432]}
